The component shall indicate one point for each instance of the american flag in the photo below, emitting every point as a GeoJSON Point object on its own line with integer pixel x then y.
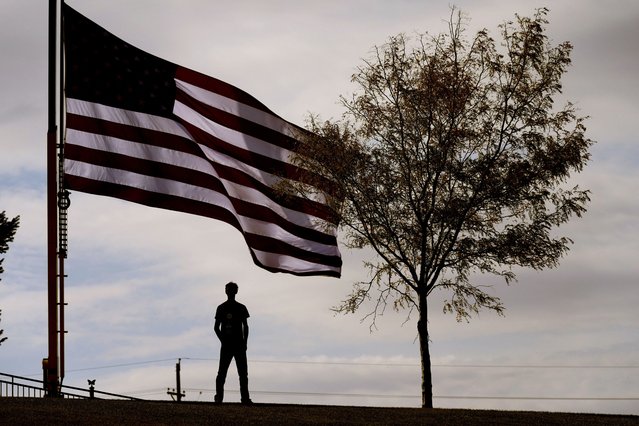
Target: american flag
{"type": "Point", "coordinates": [146, 130]}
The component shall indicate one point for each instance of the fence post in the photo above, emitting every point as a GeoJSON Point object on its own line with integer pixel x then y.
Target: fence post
{"type": "Point", "coordinates": [91, 388]}
{"type": "Point", "coordinates": [45, 372]}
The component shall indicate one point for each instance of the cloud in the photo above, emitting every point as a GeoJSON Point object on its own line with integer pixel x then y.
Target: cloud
{"type": "Point", "coordinates": [143, 283]}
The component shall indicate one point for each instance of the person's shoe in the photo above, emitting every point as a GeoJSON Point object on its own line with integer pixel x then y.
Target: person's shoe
{"type": "Point", "coordinates": [247, 402]}
{"type": "Point", "coordinates": [217, 400]}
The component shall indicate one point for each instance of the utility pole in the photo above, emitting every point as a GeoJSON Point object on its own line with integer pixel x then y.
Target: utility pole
{"type": "Point", "coordinates": [177, 394]}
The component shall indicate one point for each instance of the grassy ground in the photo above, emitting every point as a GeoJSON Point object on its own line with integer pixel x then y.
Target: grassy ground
{"type": "Point", "coordinates": [44, 411]}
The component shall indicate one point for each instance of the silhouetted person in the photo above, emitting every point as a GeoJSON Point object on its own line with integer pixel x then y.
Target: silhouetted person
{"type": "Point", "coordinates": [231, 327]}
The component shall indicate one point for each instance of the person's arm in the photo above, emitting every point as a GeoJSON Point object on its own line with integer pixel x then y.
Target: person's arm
{"type": "Point", "coordinates": [218, 330]}
{"type": "Point", "coordinates": [245, 327]}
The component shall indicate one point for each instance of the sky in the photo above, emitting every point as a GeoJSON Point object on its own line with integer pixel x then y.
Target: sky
{"type": "Point", "coordinates": [143, 283]}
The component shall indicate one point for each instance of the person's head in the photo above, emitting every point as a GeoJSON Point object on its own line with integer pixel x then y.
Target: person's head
{"type": "Point", "coordinates": [231, 288]}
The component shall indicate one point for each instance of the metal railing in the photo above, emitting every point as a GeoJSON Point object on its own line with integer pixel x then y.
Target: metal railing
{"type": "Point", "coordinates": [20, 386]}
{"type": "Point", "coordinates": [17, 386]}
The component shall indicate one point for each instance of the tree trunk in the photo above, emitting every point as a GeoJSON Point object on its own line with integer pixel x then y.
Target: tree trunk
{"type": "Point", "coordinates": [424, 351]}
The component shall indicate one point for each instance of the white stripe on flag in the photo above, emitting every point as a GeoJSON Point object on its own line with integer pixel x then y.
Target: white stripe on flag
{"type": "Point", "coordinates": [161, 124]}
{"type": "Point", "coordinates": [234, 107]}
{"type": "Point", "coordinates": [126, 117]}
{"type": "Point", "coordinates": [193, 162]}
{"type": "Point", "coordinates": [233, 137]}
{"type": "Point", "coordinates": [182, 190]}
{"type": "Point", "coordinates": [291, 263]}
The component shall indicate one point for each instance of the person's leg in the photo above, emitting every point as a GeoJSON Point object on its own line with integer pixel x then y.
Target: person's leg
{"type": "Point", "coordinates": [242, 372]}
{"type": "Point", "coordinates": [225, 360]}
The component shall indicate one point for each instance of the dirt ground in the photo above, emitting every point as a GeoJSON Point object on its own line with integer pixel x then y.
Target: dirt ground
{"type": "Point", "coordinates": [46, 411]}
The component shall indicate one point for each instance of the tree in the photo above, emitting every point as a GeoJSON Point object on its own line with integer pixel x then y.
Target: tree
{"type": "Point", "coordinates": [8, 229]}
{"type": "Point", "coordinates": [452, 162]}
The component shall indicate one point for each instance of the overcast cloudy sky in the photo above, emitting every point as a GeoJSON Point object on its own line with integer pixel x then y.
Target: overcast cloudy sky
{"type": "Point", "coordinates": [144, 283]}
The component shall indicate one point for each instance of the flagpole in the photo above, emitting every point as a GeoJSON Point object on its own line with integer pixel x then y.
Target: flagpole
{"type": "Point", "coordinates": [52, 364]}
{"type": "Point", "coordinates": [63, 201]}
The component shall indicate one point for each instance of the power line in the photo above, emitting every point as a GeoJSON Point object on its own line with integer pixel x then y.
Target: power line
{"type": "Point", "coordinates": [130, 364]}
{"type": "Point", "coordinates": [157, 391]}
{"type": "Point", "coordinates": [374, 364]}
{"type": "Point", "coordinates": [150, 392]}
{"type": "Point", "coordinates": [592, 366]}
{"type": "Point", "coordinates": [298, 393]}
{"type": "Point", "coordinates": [379, 364]}
{"type": "Point", "coordinates": [367, 395]}
{"type": "Point", "coordinates": [393, 364]}
{"type": "Point", "coordinates": [541, 398]}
